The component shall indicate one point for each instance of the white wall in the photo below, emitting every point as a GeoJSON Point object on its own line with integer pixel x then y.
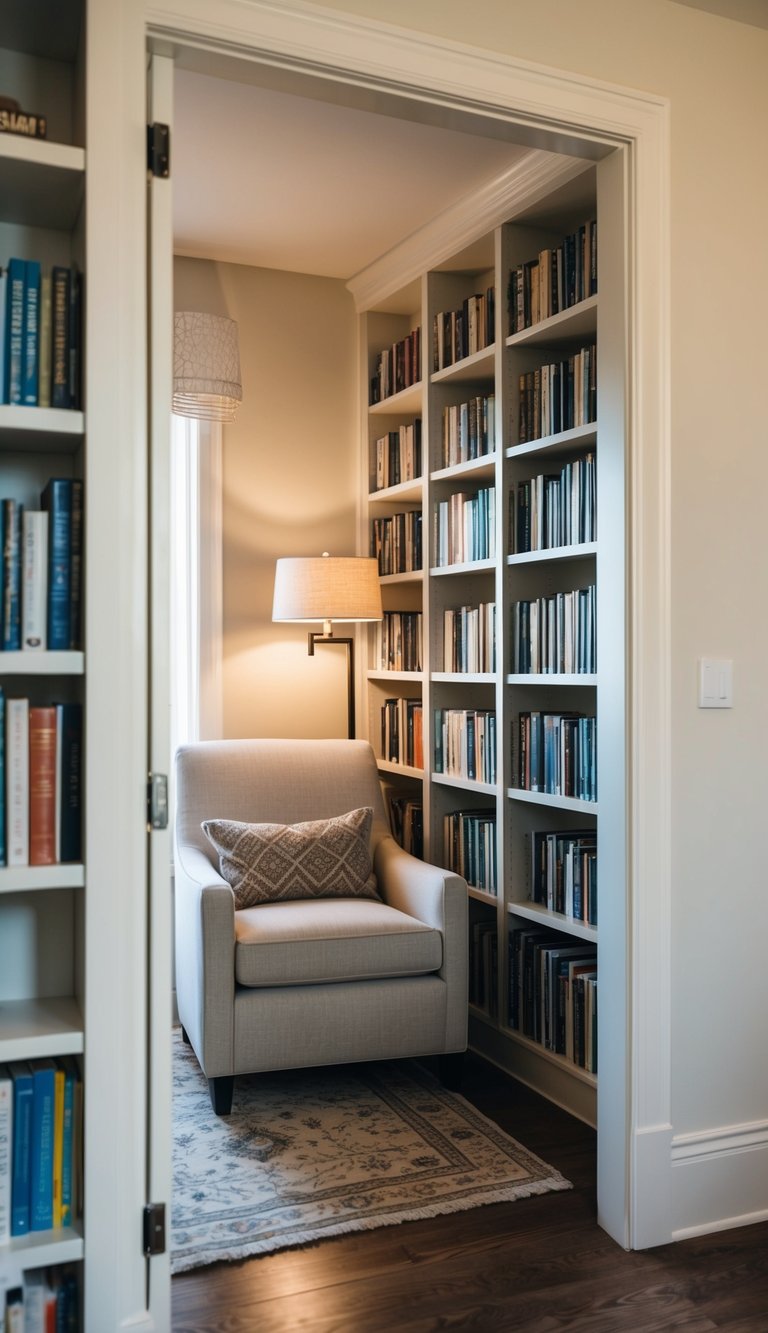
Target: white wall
{"type": "Point", "coordinates": [290, 462]}
{"type": "Point", "coordinates": [713, 71]}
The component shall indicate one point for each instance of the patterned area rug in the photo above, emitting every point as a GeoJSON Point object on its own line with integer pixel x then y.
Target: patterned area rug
{"type": "Point", "coordinates": [313, 1153]}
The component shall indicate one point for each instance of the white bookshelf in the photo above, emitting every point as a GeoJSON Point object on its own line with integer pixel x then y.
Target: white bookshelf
{"type": "Point", "coordinates": [509, 576]}
{"type": "Point", "coordinates": [42, 203]}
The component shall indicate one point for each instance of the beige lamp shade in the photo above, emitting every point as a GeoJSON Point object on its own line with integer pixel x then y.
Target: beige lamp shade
{"type": "Point", "coordinates": [206, 366]}
{"type": "Point", "coordinates": [327, 587]}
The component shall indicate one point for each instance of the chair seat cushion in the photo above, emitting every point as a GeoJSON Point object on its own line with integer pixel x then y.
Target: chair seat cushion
{"type": "Point", "coordinates": [341, 939]}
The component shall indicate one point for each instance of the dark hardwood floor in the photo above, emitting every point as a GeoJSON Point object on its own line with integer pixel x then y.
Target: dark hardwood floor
{"type": "Point", "coordinates": [539, 1264]}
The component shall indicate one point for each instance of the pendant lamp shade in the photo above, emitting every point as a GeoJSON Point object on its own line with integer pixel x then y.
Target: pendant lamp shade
{"type": "Point", "coordinates": [206, 366]}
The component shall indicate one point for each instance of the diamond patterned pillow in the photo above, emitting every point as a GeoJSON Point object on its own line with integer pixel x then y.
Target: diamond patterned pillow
{"type": "Point", "coordinates": [321, 858]}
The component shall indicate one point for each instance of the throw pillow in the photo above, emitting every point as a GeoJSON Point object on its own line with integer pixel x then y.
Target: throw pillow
{"type": "Point", "coordinates": [321, 858]}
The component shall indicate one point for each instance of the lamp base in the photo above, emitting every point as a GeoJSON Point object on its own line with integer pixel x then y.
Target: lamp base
{"type": "Point", "coordinates": [316, 637]}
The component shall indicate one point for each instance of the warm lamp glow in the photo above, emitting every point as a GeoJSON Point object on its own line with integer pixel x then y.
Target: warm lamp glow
{"type": "Point", "coordinates": [326, 587]}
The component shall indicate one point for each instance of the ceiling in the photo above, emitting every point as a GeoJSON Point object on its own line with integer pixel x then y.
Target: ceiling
{"type": "Point", "coordinates": [281, 181]}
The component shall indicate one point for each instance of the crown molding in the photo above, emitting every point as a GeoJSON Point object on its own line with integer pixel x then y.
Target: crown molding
{"type": "Point", "coordinates": [530, 179]}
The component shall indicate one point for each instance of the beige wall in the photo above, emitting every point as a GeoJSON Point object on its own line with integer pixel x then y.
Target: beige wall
{"type": "Point", "coordinates": [290, 467]}
{"type": "Point", "coordinates": [715, 74]}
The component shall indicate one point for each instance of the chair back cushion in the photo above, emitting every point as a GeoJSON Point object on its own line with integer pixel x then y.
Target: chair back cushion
{"type": "Point", "coordinates": [274, 782]}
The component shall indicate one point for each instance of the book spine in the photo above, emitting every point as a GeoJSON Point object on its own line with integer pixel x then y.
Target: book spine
{"type": "Point", "coordinates": [59, 1080]}
{"type": "Point", "coordinates": [44, 377]}
{"type": "Point", "coordinates": [69, 725]}
{"type": "Point", "coordinates": [41, 1179]}
{"type": "Point", "coordinates": [22, 1150]}
{"type": "Point", "coordinates": [42, 786]}
{"type": "Point", "coordinates": [3, 851]}
{"type": "Point", "coordinates": [17, 788]}
{"type": "Point", "coordinates": [74, 339]}
{"type": "Point", "coordinates": [3, 299]}
{"type": "Point", "coordinates": [31, 362]}
{"type": "Point", "coordinates": [6, 1154]}
{"type": "Point", "coordinates": [34, 586]}
{"type": "Point", "coordinates": [14, 331]}
{"type": "Point", "coordinates": [12, 520]}
{"type": "Point", "coordinates": [60, 279]}
{"type": "Point", "coordinates": [67, 1144]}
{"type": "Point", "coordinates": [76, 566]}
{"type": "Point", "coordinates": [57, 501]}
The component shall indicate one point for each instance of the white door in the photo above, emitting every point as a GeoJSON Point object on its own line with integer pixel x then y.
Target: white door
{"type": "Point", "coordinates": [160, 373]}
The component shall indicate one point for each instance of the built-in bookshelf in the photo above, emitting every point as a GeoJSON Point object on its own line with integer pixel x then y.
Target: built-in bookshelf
{"type": "Point", "coordinates": [43, 440]}
{"type": "Point", "coordinates": [508, 604]}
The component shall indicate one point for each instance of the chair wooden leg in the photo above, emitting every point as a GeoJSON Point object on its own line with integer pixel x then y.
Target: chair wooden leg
{"type": "Point", "coordinates": [221, 1090]}
{"type": "Point", "coordinates": [450, 1069]}
{"type": "Point", "coordinates": [184, 1036]}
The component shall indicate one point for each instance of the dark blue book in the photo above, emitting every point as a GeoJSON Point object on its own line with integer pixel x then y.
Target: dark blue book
{"type": "Point", "coordinates": [14, 330]}
{"type": "Point", "coordinates": [57, 500]}
{"type": "Point", "coordinates": [41, 1173]}
{"type": "Point", "coordinates": [31, 356]}
{"type": "Point", "coordinates": [11, 520]}
{"type": "Point", "coordinates": [3, 854]}
{"type": "Point", "coordinates": [21, 1161]}
{"type": "Point", "coordinates": [67, 1063]}
{"type": "Point", "coordinates": [76, 581]}
{"type": "Point", "coordinates": [74, 339]}
{"type": "Point", "coordinates": [69, 747]}
{"type": "Point", "coordinates": [60, 283]}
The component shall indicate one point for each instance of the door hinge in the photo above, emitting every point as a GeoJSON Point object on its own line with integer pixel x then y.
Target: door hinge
{"type": "Point", "coordinates": [154, 1228]}
{"type": "Point", "coordinates": [159, 149]}
{"type": "Point", "coordinates": [157, 801]}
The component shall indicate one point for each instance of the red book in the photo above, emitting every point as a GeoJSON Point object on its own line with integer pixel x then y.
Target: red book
{"type": "Point", "coordinates": [42, 786]}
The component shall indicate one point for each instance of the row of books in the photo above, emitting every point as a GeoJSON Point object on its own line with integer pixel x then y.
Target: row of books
{"type": "Point", "coordinates": [555, 280]}
{"type": "Point", "coordinates": [469, 846]}
{"type": "Point", "coordinates": [564, 872]}
{"type": "Point", "coordinates": [41, 1120]}
{"type": "Point", "coordinates": [557, 509]}
{"type": "Point", "coordinates": [40, 335]}
{"type": "Point", "coordinates": [558, 396]}
{"type": "Point", "coordinates": [557, 754]}
{"type": "Point", "coordinates": [553, 993]}
{"type": "Point", "coordinates": [398, 455]}
{"type": "Point", "coordinates": [465, 527]}
{"type": "Point", "coordinates": [556, 634]}
{"type": "Point", "coordinates": [469, 638]}
{"type": "Point", "coordinates": [40, 783]}
{"type": "Point", "coordinates": [465, 743]}
{"type": "Point", "coordinates": [400, 638]}
{"type": "Point", "coordinates": [396, 368]}
{"type": "Point", "coordinates": [46, 1301]}
{"type": "Point", "coordinates": [469, 430]}
{"type": "Point", "coordinates": [402, 732]}
{"type": "Point", "coordinates": [462, 332]}
{"type": "Point", "coordinates": [396, 542]}
{"type": "Point", "coordinates": [406, 819]}
{"type": "Point", "coordinates": [42, 569]}
{"type": "Point", "coordinates": [483, 966]}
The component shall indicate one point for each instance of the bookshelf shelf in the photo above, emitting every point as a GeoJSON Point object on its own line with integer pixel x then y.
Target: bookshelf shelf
{"type": "Point", "coordinates": [42, 183]}
{"type": "Point", "coordinates": [40, 429]}
{"type": "Point", "coordinates": [406, 491]}
{"type": "Point", "coordinates": [398, 404]}
{"type": "Point", "coordinates": [453, 404]}
{"type": "Point", "coordinates": [402, 770]}
{"type": "Point", "coordinates": [40, 1249]}
{"type": "Point", "coordinates": [413, 576]}
{"type": "Point", "coordinates": [40, 1027]}
{"type": "Point", "coordinates": [28, 879]}
{"type": "Point", "coordinates": [384, 676]}
{"type": "Point", "coordinates": [41, 664]}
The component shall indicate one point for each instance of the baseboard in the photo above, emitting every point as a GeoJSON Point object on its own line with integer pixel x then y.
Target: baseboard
{"type": "Point", "coordinates": [719, 1179]}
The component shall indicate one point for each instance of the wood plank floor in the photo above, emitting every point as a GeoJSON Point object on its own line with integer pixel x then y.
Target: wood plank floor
{"type": "Point", "coordinates": [539, 1264]}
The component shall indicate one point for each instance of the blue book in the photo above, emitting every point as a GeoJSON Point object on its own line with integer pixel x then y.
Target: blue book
{"type": "Point", "coordinates": [71, 1076]}
{"type": "Point", "coordinates": [22, 1147]}
{"type": "Point", "coordinates": [69, 749]}
{"type": "Point", "coordinates": [31, 357]}
{"type": "Point", "coordinates": [11, 515]}
{"type": "Point", "coordinates": [3, 853]}
{"type": "Point", "coordinates": [14, 330]}
{"type": "Point", "coordinates": [57, 500]}
{"type": "Point", "coordinates": [3, 291]}
{"type": "Point", "coordinates": [41, 1170]}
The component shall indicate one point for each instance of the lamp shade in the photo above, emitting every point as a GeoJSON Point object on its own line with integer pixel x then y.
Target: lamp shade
{"type": "Point", "coordinates": [326, 587]}
{"type": "Point", "coordinates": [206, 366]}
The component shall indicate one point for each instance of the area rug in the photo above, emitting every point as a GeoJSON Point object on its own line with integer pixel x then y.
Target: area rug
{"type": "Point", "coordinates": [308, 1154]}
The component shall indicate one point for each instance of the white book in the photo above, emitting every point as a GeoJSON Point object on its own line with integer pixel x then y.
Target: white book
{"type": "Point", "coordinates": [6, 1154]}
{"type": "Point", "coordinates": [36, 1293]}
{"type": "Point", "coordinates": [34, 579]}
{"type": "Point", "coordinates": [17, 780]}
{"type": "Point", "coordinates": [44, 380]}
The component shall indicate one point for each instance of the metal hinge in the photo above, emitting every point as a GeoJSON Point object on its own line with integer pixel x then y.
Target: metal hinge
{"type": "Point", "coordinates": [159, 150]}
{"type": "Point", "coordinates": [157, 801]}
{"type": "Point", "coordinates": [154, 1228]}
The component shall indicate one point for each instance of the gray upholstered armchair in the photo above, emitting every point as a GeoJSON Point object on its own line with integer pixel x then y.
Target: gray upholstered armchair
{"type": "Point", "coordinates": [310, 982]}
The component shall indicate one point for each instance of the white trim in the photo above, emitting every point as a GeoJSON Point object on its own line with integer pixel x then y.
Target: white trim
{"type": "Point", "coordinates": [711, 1143]}
{"type": "Point", "coordinates": [720, 1224]}
{"type": "Point", "coordinates": [210, 481]}
{"type": "Point", "coordinates": [716, 1171]}
{"type": "Point", "coordinates": [565, 112]}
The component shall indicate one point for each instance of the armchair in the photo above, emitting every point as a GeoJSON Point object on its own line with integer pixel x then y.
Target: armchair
{"type": "Point", "coordinates": [290, 984]}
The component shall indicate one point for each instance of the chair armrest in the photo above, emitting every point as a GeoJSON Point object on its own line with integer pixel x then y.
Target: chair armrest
{"type": "Point", "coordinates": [439, 899]}
{"type": "Point", "coordinates": [205, 959]}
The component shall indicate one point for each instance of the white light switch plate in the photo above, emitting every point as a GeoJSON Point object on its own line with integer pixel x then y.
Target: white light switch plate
{"type": "Point", "coordinates": [715, 682]}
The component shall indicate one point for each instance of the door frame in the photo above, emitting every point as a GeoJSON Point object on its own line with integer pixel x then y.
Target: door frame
{"type": "Point", "coordinates": [450, 82]}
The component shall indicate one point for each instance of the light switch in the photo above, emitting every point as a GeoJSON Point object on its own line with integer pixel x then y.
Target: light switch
{"type": "Point", "coordinates": [715, 682]}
